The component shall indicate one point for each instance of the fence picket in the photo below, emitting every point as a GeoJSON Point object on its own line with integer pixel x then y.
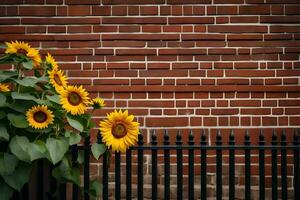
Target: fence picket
{"type": "Point", "coordinates": [219, 166]}
{"type": "Point", "coordinates": [154, 165]}
{"type": "Point", "coordinates": [167, 166]}
{"type": "Point", "coordinates": [284, 192]}
{"type": "Point", "coordinates": [247, 167]}
{"type": "Point", "coordinates": [128, 174]}
{"type": "Point", "coordinates": [296, 166]}
{"type": "Point", "coordinates": [231, 167]}
{"type": "Point", "coordinates": [203, 166]}
{"type": "Point", "coordinates": [261, 166]}
{"type": "Point", "coordinates": [274, 167]}
{"type": "Point", "coordinates": [140, 169]}
{"type": "Point", "coordinates": [179, 166]}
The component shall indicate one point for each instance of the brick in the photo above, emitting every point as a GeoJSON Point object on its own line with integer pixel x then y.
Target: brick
{"type": "Point", "coordinates": [292, 10]}
{"type": "Point", "coordinates": [134, 20]}
{"type": "Point", "coordinates": [140, 37]}
{"type": "Point", "coordinates": [181, 51]}
{"type": "Point", "coordinates": [189, 1]}
{"type": "Point", "coordinates": [280, 20]}
{"type": "Point", "coordinates": [190, 20]}
{"type": "Point", "coordinates": [87, 2]}
{"type": "Point", "coordinates": [149, 10]}
{"type": "Point", "coordinates": [135, 51]}
{"type": "Point", "coordinates": [243, 19]}
{"type": "Point", "coordinates": [78, 10]}
{"type": "Point", "coordinates": [152, 29]}
{"type": "Point", "coordinates": [254, 10]}
{"type": "Point", "coordinates": [101, 10]}
{"type": "Point", "coordinates": [129, 2]}
{"type": "Point", "coordinates": [245, 103]}
{"type": "Point", "coordinates": [79, 29]}
{"type": "Point", "coordinates": [37, 11]}
{"type": "Point", "coordinates": [237, 29]}
{"type": "Point", "coordinates": [249, 73]}
{"type": "Point", "coordinates": [119, 11]}
{"type": "Point", "coordinates": [66, 21]}
{"type": "Point", "coordinates": [226, 10]}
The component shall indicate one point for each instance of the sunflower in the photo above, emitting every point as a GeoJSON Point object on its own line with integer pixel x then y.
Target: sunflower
{"type": "Point", "coordinates": [57, 79]}
{"type": "Point", "coordinates": [98, 103]}
{"type": "Point", "coordinates": [24, 49]}
{"type": "Point", "coordinates": [119, 131]}
{"type": "Point", "coordinates": [51, 61]}
{"type": "Point", "coordinates": [74, 100]}
{"type": "Point", "coordinates": [39, 117]}
{"type": "Point", "coordinates": [4, 87]}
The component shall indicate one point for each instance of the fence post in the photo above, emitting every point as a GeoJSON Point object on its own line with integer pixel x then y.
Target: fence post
{"type": "Point", "coordinates": [296, 166]}
{"type": "Point", "coordinates": [154, 166]}
{"type": "Point", "coordinates": [247, 167]}
{"type": "Point", "coordinates": [140, 169]}
{"type": "Point", "coordinates": [191, 166]}
{"type": "Point", "coordinates": [128, 174]}
{"type": "Point", "coordinates": [203, 167]}
{"type": "Point", "coordinates": [167, 166]}
{"type": "Point", "coordinates": [261, 166]}
{"type": "Point", "coordinates": [231, 166]}
{"type": "Point", "coordinates": [86, 168]}
{"type": "Point", "coordinates": [274, 166]}
{"type": "Point", "coordinates": [284, 191]}
{"type": "Point", "coordinates": [179, 166]}
{"type": "Point", "coordinates": [219, 166]}
{"type": "Point", "coordinates": [75, 188]}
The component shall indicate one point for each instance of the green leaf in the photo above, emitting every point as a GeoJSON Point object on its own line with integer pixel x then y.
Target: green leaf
{"type": "Point", "coordinates": [53, 98]}
{"type": "Point", "coordinates": [80, 157]}
{"type": "Point", "coordinates": [18, 121]}
{"type": "Point", "coordinates": [57, 149]}
{"type": "Point", "coordinates": [95, 189]}
{"type": "Point", "coordinates": [7, 74]}
{"type": "Point", "coordinates": [28, 65]}
{"type": "Point", "coordinates": [75, 122]}
{"type": "Point", "coordinates": [19, 177]}
{"type": "Point", "coordinates": [74, 138]}
{"type": "Point", "coordinates": [28, 97]}
{"type": "Point", "coordinates": [65, 172]}
{"type": "Point", "coordinates": [38, 150]}
{"type": "Point", "coordinates": [5, 191]}
{"type": "Point", "coordinates": [21, 106]}
{"type": "Point", "coordinates": [2, 100]}
{"type": "Point", "coordinates": [27, 82]}
{"type": "Point", "coordinates": [2, 114]}
{"type": "Point", "coordinates": [98, 150]}
{"type": "Point", "coordinates": [3, 133]}
{"type": "Point", "coordinates": [8, 163]}
{"type": "Point", "coordinates": [19, 146]}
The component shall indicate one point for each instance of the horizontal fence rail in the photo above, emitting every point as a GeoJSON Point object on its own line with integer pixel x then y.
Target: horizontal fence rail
{"type": "Point", "coordinates": [276, 159]}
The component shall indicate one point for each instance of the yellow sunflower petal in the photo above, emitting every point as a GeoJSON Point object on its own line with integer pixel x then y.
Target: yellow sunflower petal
{"type": "Point", "coordinates": [39, 117]}
{"type": "Point", "coordinates": [4, 87]}
{"type": "Point", "coordinates": [119, 131]}
{"type": "Point", "coordinates": [74, 100]}
{"type": "Point", "coordinates": [57, 79]}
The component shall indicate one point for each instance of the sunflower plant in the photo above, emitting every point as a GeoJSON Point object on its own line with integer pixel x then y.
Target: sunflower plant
{"type": "Point", "coordinates": [42, 115]}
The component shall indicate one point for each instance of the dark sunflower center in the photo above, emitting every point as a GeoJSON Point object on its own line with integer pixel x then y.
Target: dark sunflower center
{"type": "Point", "coordinates": [74, 99]}
{"type": "Point", "coordinates": [57, 80]}
{"type": "Point", "coordinates": [40, 117]}
{"type": "Point", "coordinates": [119, 130]}
{"type": "Point", "coordinates": [22, 51]}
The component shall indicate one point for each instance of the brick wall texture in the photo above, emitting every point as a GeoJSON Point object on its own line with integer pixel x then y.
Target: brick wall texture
{"type": "Point", "coordinates": [175, 64]}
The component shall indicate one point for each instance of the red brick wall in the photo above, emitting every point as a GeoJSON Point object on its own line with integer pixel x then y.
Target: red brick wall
{"type": "Point", "coordinates": [173, 63]}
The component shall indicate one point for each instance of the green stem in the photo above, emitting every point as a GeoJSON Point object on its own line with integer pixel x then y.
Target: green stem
{"type": "Point", "coordinates": [19, 75]}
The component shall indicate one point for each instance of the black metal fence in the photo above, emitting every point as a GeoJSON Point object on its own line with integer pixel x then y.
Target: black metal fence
{"type": "Point", "coordinates": [278, 149]}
